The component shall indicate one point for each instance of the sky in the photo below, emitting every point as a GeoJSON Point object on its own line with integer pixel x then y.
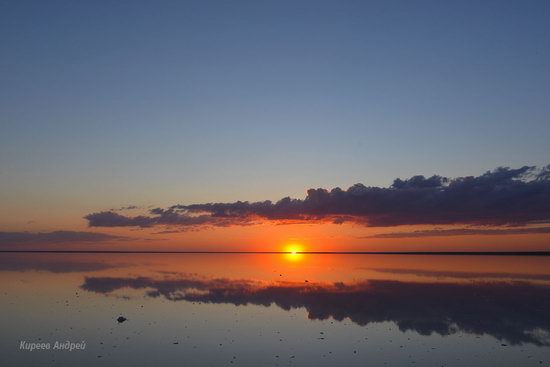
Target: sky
{"type": "Point", "coordinates": [105, 105]}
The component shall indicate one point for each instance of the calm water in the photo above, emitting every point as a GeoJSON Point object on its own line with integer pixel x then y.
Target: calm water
{"type": "Point", "coordinates": [276, 310]}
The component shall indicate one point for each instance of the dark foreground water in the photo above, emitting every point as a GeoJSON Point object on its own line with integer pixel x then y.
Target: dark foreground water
{"type": "Point", "coordinates": [275, 310]}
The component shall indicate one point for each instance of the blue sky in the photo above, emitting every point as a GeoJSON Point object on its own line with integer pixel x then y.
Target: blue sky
{"type": "Point", "coordinates": [109, 103]}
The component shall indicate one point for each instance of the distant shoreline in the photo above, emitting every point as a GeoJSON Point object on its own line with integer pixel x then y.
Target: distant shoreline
{"type": "Point", "coordinates": [439, 253]}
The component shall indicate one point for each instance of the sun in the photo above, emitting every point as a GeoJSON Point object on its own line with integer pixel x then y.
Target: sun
{"type": "Point", "coordinates": [293, 248]}
{"type": "Point", "coordinates": [293, 251]}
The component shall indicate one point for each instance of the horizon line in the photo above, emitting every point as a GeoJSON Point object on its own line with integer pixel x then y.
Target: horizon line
{"type": "Point", "coordinates": [452, 253]}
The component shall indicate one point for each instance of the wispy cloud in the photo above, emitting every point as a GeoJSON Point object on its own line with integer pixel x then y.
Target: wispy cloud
{"type": "Point", "coordinates": [500, 197]}
{"type": "Point", "coordinates": [18, 238]}
{"type": "Point", "coordinates": [462, 232]}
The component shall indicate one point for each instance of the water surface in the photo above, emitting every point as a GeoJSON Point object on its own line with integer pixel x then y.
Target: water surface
{"type": "Point", "coordinates": [276, 309]}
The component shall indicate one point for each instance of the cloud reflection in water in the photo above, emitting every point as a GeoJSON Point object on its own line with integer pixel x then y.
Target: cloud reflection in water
{"type": "Point", "coordinates": [514, 311]}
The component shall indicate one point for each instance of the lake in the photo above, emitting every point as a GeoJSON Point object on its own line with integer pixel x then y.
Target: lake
{"type": "Point", "coordinates": [275, 310]}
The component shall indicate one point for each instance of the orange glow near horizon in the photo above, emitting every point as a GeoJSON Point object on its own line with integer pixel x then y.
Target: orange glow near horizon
{"type": "Point", "coordinates": [295, 238]}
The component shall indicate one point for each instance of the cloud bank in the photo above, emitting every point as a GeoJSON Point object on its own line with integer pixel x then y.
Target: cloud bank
{"type": "Point", "coordinates": [502, 197]}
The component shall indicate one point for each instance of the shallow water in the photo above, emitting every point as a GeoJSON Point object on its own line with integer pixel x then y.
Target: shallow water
{"type": "Point", "coordinates": [275, 310]}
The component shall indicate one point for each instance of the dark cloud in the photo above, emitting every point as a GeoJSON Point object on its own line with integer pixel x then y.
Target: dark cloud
{"type": "Point", "coordinates": [22, 238]}
{"type": "Point", "coordinates": [166, 217]}
{"type": "Point", "coordinates": [512, 311]}
{"type": "Point", "coordinates": [503, 196]}
{"type": "Point", "coordinates": [462, 232]}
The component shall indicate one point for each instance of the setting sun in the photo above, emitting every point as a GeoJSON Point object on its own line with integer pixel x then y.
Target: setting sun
{"type": "Point", "coordinates": [293, 248]}
{"type": "Point", "coordinates": [293, 251]}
